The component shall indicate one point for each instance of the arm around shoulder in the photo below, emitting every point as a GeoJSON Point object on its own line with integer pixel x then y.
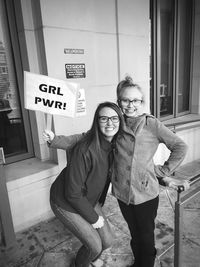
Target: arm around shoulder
{"type": "Point", "coordinates": [65, 142]}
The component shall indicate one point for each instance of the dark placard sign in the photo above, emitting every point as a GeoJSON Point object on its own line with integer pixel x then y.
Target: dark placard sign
{"type": "Point", "coordinates": [73, 51]}
{"type": "Point", "coordinates": [74, 71]}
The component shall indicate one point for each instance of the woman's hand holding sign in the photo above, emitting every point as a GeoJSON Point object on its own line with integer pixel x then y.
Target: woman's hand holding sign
{"type": "Point", "coordinates": [48, 136]}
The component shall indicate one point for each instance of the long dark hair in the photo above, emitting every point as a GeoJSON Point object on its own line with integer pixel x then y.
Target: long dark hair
{"type": "Point", "coordinates": [93, 135]}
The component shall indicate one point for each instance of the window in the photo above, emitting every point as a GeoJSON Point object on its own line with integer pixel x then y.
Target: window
{"type": "Point", "coordinates": [14, 125]}
{"type": "Point", "coordinates": [171, 31]}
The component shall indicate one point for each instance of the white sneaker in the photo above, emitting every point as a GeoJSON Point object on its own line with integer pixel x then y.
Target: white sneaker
{"type": "Point", "coordinates": [157, 262]}
{"type": "Point", "coordinates": [97, 263]}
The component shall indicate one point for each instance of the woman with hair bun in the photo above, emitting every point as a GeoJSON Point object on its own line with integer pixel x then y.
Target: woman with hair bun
{"type": "Point", "coordinates": [138, 178]}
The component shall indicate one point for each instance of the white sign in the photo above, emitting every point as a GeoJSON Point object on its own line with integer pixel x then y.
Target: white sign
{"type": "Point", "coordinates": [50, 95]}
{"type": "Point", "coordinates": [81, 103]}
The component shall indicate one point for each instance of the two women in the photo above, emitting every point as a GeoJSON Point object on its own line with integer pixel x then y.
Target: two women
{"type": "Point", "coordinates": [135, 178]}
{"type": "Point", "coordinates": [77, 195]}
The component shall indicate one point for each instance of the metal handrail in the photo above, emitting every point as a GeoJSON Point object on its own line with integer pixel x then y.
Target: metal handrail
{"type": "Point", "coordinates": [192, 181]}
{"type": "Point", "coordinates": [174, 124]}
{"type": "Point", "coordinates": [178, 217]}
{"type": "Point", "coordinates": [178, 222]}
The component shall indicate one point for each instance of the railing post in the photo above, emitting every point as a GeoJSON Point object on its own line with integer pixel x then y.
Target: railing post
{"type": "Point", "coordinates": [7, 229]}
{"type": "Point", "coordinates": [178, 229]}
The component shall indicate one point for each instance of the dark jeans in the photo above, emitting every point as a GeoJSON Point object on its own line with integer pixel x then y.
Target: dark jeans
{"type": "Point", "coordinates": [141, 222]}
{"type": "Point", "coordinates": [94, 240]}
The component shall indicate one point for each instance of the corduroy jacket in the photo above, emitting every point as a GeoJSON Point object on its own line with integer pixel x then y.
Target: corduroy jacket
{"type": "Point", "coordinates": [134, 174]}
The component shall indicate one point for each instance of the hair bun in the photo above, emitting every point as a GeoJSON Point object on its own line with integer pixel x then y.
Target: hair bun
{"type": "Point", "coordinates": [128, 79]}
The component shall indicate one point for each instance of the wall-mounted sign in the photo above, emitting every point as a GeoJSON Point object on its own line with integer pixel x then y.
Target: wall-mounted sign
{"type": "Point", "coordinates": [73, 51]}
{"type": "Point", "coordinates": [81, 103]}
{"type": "Point", "coordinates": [74, 71]}
{"type": "Point", "coordinates": [50, 95]}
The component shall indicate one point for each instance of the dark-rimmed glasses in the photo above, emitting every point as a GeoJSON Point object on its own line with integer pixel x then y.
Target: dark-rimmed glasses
{"type": "Point", "coordinates": [105, 119]}
{"type": "Point", "coordinates": [126, 102]}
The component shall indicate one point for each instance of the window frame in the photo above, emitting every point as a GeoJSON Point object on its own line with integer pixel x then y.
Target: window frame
{"type": "Point", "coordinates": [179, 114]}
{"type": "Point", "coordinates": [9, 25]}
{"type": "Point", "coordinates": [155, 61]}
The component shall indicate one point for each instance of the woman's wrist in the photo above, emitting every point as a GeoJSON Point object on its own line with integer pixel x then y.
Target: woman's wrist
{"type": "Point", "coordinates": [48, 136]}
{"type": "Point", "coordinates": [99, 223]}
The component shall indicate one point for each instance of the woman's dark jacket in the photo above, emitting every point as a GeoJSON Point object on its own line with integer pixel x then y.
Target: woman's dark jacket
{"type": "Point", "coordinates": [81, 184]}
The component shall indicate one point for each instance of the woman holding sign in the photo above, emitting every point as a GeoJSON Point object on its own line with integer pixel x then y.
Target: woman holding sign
{"type": "Point", "coordinates": [136, 178]}
{"type": "Point", "coordinates": [78, 193]}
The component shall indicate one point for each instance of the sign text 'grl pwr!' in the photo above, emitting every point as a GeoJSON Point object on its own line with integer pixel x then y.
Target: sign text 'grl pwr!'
{"type": "Point", "coordinates": [50, 95]}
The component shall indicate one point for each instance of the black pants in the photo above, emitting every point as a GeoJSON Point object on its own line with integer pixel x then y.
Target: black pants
{"type": "Point", "coordinates": [141, 222]}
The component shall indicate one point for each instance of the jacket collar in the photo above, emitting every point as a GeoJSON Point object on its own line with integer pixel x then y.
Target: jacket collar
{"type": "Point", "coordinates": [105, 145]}
{"type": "Point", "coordinates": [135, 124]}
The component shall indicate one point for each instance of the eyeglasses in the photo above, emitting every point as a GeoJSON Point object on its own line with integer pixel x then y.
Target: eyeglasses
{"type": "Point", "coordinates": [105, 119]}
{"type": "Point", "coordinates": [136, 102]}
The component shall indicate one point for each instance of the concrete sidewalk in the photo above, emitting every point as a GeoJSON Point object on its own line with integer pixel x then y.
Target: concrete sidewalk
{"type": "Point", "coordinates": [50, 244]}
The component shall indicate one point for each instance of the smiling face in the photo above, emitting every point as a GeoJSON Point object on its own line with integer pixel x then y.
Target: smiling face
{"type": "Point", "coordinates": [131, 102]}
{"type": "Point", "coordinates": [108, 123]}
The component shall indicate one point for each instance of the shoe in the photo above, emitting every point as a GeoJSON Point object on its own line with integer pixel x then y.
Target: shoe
{"type": "Point", "coordinates": [73, 263]}
{"type": "Point", "coordinates": [97, 263]}
{"type": "Point", "coordinates": [132, 265]}
{"type": "Point", "coordinates": [157, 262]}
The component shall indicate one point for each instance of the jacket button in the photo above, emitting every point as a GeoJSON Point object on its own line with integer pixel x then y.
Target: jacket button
{"type": "Point", "coordinates": [109, 173]}
{"type": "Point", "coordinates": [128, 168]}
{"type": "Point", "coordinates": [128, 182]}
{"type": "Point", "coordinates": [132, 138]}
{"type": "Point", "coordinates": [130, 153]}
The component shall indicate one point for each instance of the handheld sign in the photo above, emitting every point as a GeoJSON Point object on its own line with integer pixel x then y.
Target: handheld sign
{"type": "Point", "coordinates": [50, 95]}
